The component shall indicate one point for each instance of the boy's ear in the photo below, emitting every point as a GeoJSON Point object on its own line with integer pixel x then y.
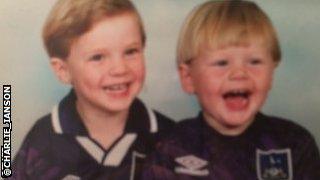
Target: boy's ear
{"type": "Point", "coordinates": [61, 70]}
{"type": "Point", "coordinates": [186, 78]}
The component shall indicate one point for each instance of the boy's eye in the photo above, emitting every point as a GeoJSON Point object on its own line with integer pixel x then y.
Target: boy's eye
{"type": "Point", "coordinates": [255, 61]}
{"type": "Point", "coordinates": [96, 57]}
{"type": "Point", "coordinates": [222, 62]}
{"type": "Point", "coordinates": [132, 51]}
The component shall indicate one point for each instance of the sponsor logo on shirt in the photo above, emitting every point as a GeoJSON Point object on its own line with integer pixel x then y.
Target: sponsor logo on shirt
{"type": "Point", "coordinates": [274, 164]}
{"type": "Point", "coordinates": [191, 165]}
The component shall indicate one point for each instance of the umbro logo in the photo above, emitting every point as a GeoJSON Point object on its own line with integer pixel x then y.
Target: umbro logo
{"type": "Point", "coordinates": [191, 165]}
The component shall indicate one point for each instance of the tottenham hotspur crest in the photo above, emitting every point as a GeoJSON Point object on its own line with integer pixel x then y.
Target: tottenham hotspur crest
{"type": "Point", "coordinates": [274, 164]}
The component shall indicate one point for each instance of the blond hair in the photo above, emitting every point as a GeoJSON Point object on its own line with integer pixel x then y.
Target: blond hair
{"type": "Point", "coordinates": [218, 24]}
{"type": "Point", "coordinates": [69, 19]}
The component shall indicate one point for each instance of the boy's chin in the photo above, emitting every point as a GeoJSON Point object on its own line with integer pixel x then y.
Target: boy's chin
{"type": "Point", "coordinates": [237, 123]}
{"type": "Point", "coordinates": [233, 129]}
{"type": "Point", "coordinates": [115, 108]}
{"type": "Point", "coordinates": [239, 118]}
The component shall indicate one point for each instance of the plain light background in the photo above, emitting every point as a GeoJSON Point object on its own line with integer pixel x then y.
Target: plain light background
{"type": "Point", "coordinates": [25, 65]}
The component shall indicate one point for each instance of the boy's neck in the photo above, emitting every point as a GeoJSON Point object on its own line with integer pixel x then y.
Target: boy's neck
{"type": "Point", "coordinates": [104, 127]}
{"type": "Point", "coordinates": [224, 130]}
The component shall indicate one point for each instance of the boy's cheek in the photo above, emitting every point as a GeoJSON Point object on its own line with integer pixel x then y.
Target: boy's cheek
{"type": "Point", "coordinates": [140, 75]}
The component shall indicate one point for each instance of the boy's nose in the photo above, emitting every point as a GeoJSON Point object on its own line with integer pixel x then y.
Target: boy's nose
{"type": "Point", "coordinates": [238, 73]}
{"type": "Point", "coordinates": [118, 67]}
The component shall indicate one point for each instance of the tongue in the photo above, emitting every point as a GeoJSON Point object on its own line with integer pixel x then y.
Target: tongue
{"type": "Point", "coordinates": [237, 103]}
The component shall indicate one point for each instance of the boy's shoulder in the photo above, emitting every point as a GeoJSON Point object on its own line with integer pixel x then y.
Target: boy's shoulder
{"type": "Point", "coordinates": [41, 134]}
{"type": "Point", "coordinates": [189, 132]}
{"type": "Point", "coordinates": [38, 140]}
{"type": "Point", "coordinates": [144, 119]}
{"type": "Point", "coordinates": [189, 123]}
{"type": "Point", "coordinates": [189, 128]}
{"type": "Point", "coordinates": [278, 126]}
{"type": "Point", "coordinates": [165, 123]}
{"type": "Point", "coordinates": [42, 128]}
{"type": "Point", "coordinates": [185, 134]}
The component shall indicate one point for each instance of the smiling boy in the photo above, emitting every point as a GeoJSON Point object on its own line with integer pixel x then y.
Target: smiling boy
{"type": "Point", "coordinates": [240, 78]}
{"type": "Point", "coordinates": [100, 130]}
{"type": "Point", "coordinates": [227, 54]}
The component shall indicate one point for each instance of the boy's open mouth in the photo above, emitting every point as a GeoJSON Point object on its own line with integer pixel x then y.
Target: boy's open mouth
{"type": "Point", "coordinates": [237, 99]}
{"type": "Point", "coordinates": [117, 88]}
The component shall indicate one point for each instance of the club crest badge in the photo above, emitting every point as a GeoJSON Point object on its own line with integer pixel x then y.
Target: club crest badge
{"type": "Point", "coordinates": [191, 165]}
{"type": "Point", "coordinates": [274, 164]}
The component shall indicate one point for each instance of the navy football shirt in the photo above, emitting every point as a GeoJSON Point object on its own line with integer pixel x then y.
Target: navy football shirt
{"type": "Point", "coordinates": [59, 146]}
{"type": "Point", "coordinates": [270, 149]}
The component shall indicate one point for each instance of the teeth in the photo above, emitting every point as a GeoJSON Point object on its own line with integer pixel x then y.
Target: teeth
{"type": "Point", "coordinates": [236, 93]}
{"type": "Point", "coordinates": [117, 87]}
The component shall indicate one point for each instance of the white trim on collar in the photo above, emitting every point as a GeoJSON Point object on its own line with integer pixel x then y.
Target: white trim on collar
{"type": "Point", "coordinates": [94, 150]}
{"type": "Point", "coordinates": [56, 120]}
{"type": "Point", "coordinates": [119, 151]}
{"type": "Point", "coordinates": [115, 156]}
{"type": "Point", "coordinates": [56, 124]}
{"type": "Point", "coordinates": [153, 120]}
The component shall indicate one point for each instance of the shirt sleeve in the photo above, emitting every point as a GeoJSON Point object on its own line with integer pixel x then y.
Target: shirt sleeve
{"type": "Point", "coordinates": [21, 161]}
{"type": "Point", "coordinates": [308, 166]}
{"type": "Point", "coordinates": [32, 161]}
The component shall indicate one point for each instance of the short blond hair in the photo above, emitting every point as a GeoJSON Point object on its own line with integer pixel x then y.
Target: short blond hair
{"type": "Point", "coordinates": [218, 24]}
{"type": "Point", "coordinates": [69, 19]}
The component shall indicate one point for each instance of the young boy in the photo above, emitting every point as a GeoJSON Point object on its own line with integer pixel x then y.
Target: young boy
{"type": "Point", "coordinates": [100, 130]}
{"type": "Point", "coordinates": [227, 54]}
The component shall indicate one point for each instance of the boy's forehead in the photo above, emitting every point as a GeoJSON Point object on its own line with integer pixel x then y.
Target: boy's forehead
{"type": "Point", "coordinates": [233, 39]}
{"type": "Point", "coordinates": [252, 44]}
{"type": "Point", "coordinates": [109, 32]}
{"type": "Point", "coordinates": [94, 22]}
{"type": "Point", "coordinates": [108, 23]}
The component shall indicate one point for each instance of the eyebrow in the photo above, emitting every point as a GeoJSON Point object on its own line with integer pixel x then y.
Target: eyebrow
{"type": "Point", "coordinates": [134, 43]}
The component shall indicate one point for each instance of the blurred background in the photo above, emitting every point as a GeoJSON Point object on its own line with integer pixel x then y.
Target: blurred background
{"type": "Point", "coordinates": [25, 65]}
